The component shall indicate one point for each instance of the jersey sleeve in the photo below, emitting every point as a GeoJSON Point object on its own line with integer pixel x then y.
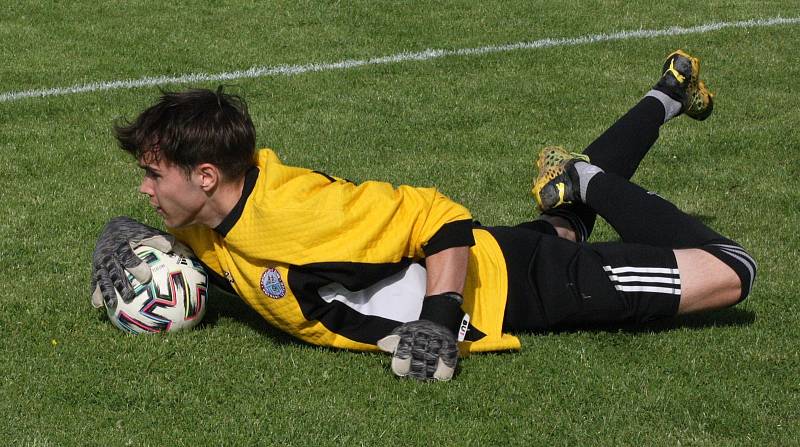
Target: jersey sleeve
{"type": "Point", "coordinates": [454, 226]}
{"type": "Point", "coordinates": [421, 221]}
{"type": "Point", "coordinates": [313, 217]}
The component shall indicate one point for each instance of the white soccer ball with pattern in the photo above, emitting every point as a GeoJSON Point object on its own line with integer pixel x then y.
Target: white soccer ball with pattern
{"type": "Point", "coordinates": [175, 299]}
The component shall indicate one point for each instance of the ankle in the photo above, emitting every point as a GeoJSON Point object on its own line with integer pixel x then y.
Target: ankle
{"type": "Point", "coordinates": [586, 173]}
{"type": "Point", "coordinates": [672, 107]}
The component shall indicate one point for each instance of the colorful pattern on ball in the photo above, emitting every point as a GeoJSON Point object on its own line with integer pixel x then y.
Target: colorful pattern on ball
{"type": "Point", "coordinates": [175, 298]}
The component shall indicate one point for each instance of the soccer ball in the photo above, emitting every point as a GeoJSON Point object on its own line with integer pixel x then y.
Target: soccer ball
{"type": "Point", "coordinates": [175, 299]}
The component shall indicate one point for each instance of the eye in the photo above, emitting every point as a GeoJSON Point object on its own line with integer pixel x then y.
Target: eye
{"type": "Point", "coordinates": [149, 173]}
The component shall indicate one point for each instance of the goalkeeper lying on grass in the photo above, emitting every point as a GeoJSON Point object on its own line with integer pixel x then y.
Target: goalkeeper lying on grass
{"type": "Point", "coordinates": [406, 270]}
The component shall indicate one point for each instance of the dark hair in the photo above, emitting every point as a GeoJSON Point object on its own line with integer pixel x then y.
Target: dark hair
{"type": "Point", "coordinates": [192, 127]}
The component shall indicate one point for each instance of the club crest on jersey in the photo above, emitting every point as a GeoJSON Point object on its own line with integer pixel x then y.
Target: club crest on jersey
{"type": "Point", "coordinates": [272, 284]}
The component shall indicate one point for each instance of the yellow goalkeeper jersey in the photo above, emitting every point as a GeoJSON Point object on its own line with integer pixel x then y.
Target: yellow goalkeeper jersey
{"type": "Point", "coordinates": [340, 264]}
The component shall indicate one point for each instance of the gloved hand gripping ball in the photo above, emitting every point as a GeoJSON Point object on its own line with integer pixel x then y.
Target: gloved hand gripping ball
{"type": "Point", "coordinates": [113, 255]}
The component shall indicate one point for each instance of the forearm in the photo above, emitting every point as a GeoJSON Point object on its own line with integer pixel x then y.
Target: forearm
{"type": "Point", "coordinates": [447, 271]}
{"type": "Point", "coordinates": [428, 348]}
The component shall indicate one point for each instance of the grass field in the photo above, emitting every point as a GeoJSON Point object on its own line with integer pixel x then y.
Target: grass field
{"type": "Point", "coordinates": [470, 125]}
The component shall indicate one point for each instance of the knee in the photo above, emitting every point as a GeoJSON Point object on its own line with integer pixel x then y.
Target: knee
{"type": "Point", "coordinates": [709, 281]}
{"type": "Point", "coordinates": [742, 264]}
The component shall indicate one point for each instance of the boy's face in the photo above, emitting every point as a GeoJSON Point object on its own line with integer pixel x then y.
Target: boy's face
{"type": "Point", "coordinates": [178, 198]}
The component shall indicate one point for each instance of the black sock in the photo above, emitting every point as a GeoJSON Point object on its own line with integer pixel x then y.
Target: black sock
{"type": "Point", "coordinates": [618, 150]}
{"type": "Point", "coordinates": [643, 217]}
{"type": "Point", "coordinates": [622, 147]}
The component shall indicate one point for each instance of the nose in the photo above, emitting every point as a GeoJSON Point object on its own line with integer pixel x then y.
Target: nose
{"type": "Point", "coordinates": [145, 187]}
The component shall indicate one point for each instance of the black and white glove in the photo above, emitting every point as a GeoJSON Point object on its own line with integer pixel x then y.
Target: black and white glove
{"type": "Point", "coordinates": [427, 348]}
{"type": "Point", "coordinates": [113, 255]}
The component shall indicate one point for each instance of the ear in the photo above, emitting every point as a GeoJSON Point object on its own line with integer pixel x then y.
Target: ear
{"type": "Point", "coordinates": [207, 176]}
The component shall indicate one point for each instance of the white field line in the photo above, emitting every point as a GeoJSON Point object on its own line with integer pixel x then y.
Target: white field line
{"type": "Point", "coordinates": [289, 70]}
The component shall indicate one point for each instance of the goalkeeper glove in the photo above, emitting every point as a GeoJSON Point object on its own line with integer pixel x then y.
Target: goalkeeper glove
{"type": "Point", "coordinates": [427, 348]}
{"type": "Point", "coordinates": [113, 255]}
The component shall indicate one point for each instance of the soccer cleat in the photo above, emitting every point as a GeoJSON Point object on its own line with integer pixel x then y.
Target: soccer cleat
{"type": "Point", "coordinates": [680, 80]}
{"type": "Point", "coordinates": [558, 182]}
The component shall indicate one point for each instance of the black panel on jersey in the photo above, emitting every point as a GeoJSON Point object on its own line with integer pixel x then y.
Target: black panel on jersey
{"type": "Point", "coordinates": [352, 275]}
{"type": "Point", "coordinates": [230, 220]}
{"type": "Point", "coordinates": [338, 317]}
{"type": "Point", "coordinates": [305, 282]}
{"type": "Point", "coordinates": [451, 234]}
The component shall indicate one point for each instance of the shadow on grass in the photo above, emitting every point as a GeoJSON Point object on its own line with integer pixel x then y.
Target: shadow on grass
{"type": "Point", "coordinates": [225, 305]}
{"type": "Point", "coordinates": [721, 318]}
{"type": "Point", "coordinates": [731, 317]}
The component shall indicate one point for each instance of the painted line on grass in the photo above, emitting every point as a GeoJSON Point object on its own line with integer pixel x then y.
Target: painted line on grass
{"type": "Point", "coordinates": [290, 70]}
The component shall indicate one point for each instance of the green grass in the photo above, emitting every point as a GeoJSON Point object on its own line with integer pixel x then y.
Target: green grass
{"type": "Point", "coordinates": [469, 125]}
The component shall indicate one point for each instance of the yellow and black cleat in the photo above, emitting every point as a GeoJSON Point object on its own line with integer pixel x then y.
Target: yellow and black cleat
{"type": "Point", "coordinates": [680, 80]}
{"type": "Point", "coordinates": [557, 182]}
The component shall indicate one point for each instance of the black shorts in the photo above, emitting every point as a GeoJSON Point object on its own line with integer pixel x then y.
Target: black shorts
{"type": "Point", "coordinates": [555, 283]}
